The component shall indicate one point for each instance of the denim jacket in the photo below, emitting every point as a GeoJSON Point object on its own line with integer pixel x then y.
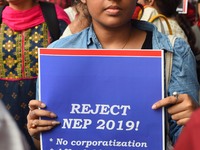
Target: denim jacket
{"type": "Point", "coordinates": [183, 76]}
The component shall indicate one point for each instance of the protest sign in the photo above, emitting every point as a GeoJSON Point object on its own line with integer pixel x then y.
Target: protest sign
{"type": "Point", "coordinates": [102, 98]}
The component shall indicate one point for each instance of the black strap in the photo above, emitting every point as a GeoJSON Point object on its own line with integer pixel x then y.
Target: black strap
{"type": "Point", "coordinates": [50, 16]}
{"type": "Point", "coordinates": [1, 9]}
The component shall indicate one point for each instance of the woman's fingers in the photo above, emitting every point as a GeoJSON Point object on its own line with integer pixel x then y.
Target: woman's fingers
{"type": "Point", "coordinates": [180, 107]}
{"type": "Point", "coordinates": [170, 100]}
{"type": "Point", "coordinates": [182, 121]}
{"type": "Point", "coordinates": [35, 122]}
{"type": "Point", "coordinates": [35, 104]}
{"type": "Point", "coordinates": [35, 126]}
{"type": "Point", "coordinates": [42, 123]}
{"type": "Point", "coordinates": [35, 114]}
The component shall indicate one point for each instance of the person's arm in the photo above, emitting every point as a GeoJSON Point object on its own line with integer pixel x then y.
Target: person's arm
{"type": "Point", "coordinates": [184, 81]}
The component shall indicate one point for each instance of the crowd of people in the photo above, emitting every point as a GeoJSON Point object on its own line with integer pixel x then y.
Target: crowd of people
{"type": "Point", "coordinates": [125, 24]}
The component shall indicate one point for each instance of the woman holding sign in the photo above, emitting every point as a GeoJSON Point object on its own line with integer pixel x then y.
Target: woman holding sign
{"type": "Point", "coordinates": [112, 28]}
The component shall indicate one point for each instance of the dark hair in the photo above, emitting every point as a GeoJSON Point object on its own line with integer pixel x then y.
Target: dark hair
{"type": "Point", "coordinates": [184, 23]}
{"type": "Point", "coordinates": [168, 7]}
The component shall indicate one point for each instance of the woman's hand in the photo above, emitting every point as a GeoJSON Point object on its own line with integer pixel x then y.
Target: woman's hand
{"type": "Point", "coordinates": [34, 124]}
{"type": "Point", "coordinates": [180, 107]}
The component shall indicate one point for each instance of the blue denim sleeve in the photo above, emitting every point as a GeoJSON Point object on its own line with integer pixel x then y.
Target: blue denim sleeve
{"type": "Point", "coordinates": [184, 75]}
{"type": "Point", "coordinates": [174, 130]}
{"type": "Point", "coordinates": [183, 79]}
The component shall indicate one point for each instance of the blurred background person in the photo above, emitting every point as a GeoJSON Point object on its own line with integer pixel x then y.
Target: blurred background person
{"type": "Point", "coordinates": [23, 30]}
{"type": "Point", "coordinates": [79, 17]}
{"type": "Point", "coordinates": [10, 135]}
{"type": "Point", "coordinates": [171, 22]}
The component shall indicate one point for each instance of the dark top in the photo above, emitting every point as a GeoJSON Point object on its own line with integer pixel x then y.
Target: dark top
{"type": "Point", "coordinates": [148, 41]}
